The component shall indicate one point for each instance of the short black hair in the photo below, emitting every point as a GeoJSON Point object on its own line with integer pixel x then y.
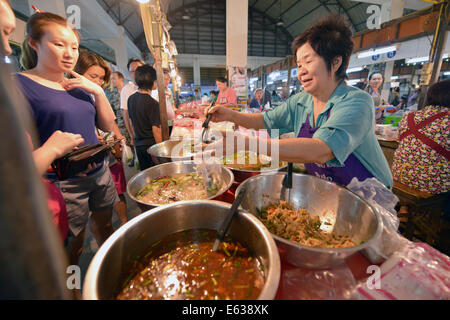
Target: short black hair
{"type": "Point", "coordinates": [133, 60]}
{"type": "Point", "coordinates": [119, 74]}
{"type": "Point", "coordinates": [439, 94]}
{"type": "Point", "coordinates": [145, 76]}
{"type": "Point", "coordinates": [331, 37]}
{"type": "Point", "coordinates": [222, 79]}
{"type": "Point", "coordinates": [373, 73]}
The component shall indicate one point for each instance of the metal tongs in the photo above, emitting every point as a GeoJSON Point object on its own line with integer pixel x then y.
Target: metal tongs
{"type": "Point", "coordinates": [205, 125]}
{"type": "Point", "coordinates": [229, 217]}
{"type": "Point", "coordinates": [287, 183]}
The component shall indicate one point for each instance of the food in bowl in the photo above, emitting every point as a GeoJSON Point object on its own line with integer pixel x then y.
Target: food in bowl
{"type": "Point", "coordinates": [183, 266]}
{"type": "Point", "coordinates": [298, 226]}
{"type": "Point", "coordinates": [177, 187]}
{"type": "Point", "coordinates": [249, 161]}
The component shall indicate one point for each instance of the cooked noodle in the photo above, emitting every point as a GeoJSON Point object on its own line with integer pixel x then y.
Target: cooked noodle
{"type": "Point", "coordinates": [298, 226]}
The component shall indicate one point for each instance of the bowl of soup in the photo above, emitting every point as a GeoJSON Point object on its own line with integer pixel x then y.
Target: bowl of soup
{"type": "Point", "coordinates": [165, 253]}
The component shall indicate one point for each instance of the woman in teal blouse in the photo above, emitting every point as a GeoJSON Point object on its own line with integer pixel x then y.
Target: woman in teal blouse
{"type": "Point", "coordinates": [333, 122]}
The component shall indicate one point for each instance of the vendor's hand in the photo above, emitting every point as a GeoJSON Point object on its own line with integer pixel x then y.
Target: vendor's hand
{"type": "Point", "coordinates": [89, 168]}
{"type": "Point", "coordinates": [220, 113]}
{"type": "Point", "coordinates": [61, 143]}
{"type": "Point", "coordinates": [81, 82]}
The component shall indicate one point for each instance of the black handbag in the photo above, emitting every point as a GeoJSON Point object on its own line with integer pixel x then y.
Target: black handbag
{"type": "Point", "coordinates": [77, 161]}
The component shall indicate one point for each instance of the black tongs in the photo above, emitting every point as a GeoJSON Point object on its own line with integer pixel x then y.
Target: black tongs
{"type": "Point", "coordinates": [229, 217]}
{"type": "Point", "coordinates": [287, 183]}
{"type": "Point", "coordinates": [205, 124]}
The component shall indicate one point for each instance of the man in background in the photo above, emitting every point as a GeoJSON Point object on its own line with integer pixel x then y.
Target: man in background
{"type": "Point", "coordinates": [126, 92]}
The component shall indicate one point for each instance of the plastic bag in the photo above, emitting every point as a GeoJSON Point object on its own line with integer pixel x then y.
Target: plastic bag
{"type": "Point", "coordinates": [127, 153]}
{"type": "Point", "coordinates": [383, 201]}
{"type": "Point", "coordinates": [417, 271]}
{"type": "Point", "coordinates": [303, 284]}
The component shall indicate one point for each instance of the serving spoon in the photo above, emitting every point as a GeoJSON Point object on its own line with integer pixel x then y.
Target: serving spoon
{"type": "Point", "coordinates": [229, 217]}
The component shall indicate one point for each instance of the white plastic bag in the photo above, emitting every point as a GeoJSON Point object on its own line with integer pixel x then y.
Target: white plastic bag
{"type": "Point", "coordinates": [383, 201]}
{"type": "Point", "coordinates": [127, 153]}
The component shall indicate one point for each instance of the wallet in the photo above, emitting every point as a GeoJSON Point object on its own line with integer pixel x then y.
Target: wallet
{"type": "Point", "coordinates": [77, 161]}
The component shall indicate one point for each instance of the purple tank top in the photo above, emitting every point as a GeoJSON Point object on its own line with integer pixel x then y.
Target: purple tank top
{"type": "Point", "coordinates": [70, 111]}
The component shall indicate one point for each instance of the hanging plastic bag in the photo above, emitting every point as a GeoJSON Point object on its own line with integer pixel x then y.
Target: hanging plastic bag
{"type": "Point", "coordinates": [383, 201]}
{"type": "Point", "coordinates": [127, 153]}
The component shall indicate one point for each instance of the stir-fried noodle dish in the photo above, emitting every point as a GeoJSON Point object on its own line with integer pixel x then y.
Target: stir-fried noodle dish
{"type": "Point", "coordinates": [298, 226]}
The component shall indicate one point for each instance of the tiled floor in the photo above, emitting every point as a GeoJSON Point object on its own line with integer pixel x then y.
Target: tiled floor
{"type": "Point", "coordinates": [90, 245]}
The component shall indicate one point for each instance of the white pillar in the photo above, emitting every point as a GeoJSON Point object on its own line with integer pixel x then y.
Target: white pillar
{"type": "Point", "coordinates": [120, 50]}
{"type": "Point", "coordinates": [53, 6]}
{"type": "Point", "coordinates": [237, 28]}
{"type": "Point", "coordinates": [197, 79]}
{"type": "Point", "coordinates": [395, 10]}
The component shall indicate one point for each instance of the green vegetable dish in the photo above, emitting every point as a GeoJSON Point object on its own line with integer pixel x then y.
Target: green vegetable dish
{"type": "Point", "coordinates": [177, 187]}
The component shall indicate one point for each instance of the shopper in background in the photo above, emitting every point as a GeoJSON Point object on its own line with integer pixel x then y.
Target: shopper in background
{"type": "Point", "coordinates": [170, 106]}
{"type": "Point", "coordinates": [205, 98]}
{"type": "Point", "coordinates": [50, 50]}
{"type": "Point", "coordinates": [256, 103]}
{"type": "Point", "coordinates": [126, 92]}
{"type": "Point", "coordinates": [117, 79]}
{"type": "Point", "coordinates": [213, 95]}
{"type": "Point", "coordinates": [395, 97]}
{"type": "Point", "coordinates": [226, 94]}
{"type": "Point", "coordinates": [94, 68]}
{"type": "Point", "coordinates": [373, 88]}
{"type": "Point", "coordinates": [422, 159]}
{"type": "Point", "coordinates": [144, 115]}
{"type": "Point", "coordinates": [333, 123]}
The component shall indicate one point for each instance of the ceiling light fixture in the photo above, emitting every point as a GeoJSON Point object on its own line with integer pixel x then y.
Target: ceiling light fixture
{"type": "Point", "coordinates": [370, 53]}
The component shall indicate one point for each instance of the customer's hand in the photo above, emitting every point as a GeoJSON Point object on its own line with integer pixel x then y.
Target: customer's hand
{"type": "Point", "coordinates": [60, 143]}
{"type": "Point", "coordinates": [81, 82]}
{"type": "Point", "coordinates": [89, 168]}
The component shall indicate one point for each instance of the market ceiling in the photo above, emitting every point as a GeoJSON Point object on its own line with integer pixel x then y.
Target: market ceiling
{"type": "Point", "coordinates": [199, 26]}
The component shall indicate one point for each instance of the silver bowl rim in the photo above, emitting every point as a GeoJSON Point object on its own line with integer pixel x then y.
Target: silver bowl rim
{"type": "Point", "coordinates": [155, 146]}
{"type": "Point", "coordinates": [268, 170]}
{"type": "Point", "coordinates": [271, 279]}
{"type": "Point", "coordinates": [225, 189]}
{"type": "Point", "coordinates": [356, 248]}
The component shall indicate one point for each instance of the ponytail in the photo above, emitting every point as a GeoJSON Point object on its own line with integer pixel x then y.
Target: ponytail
{"type": "Point", "coordinates": [28, 58]}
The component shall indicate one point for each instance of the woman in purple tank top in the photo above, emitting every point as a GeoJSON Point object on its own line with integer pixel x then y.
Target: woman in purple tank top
{"type": "Point", "coordinates": [50, 51]}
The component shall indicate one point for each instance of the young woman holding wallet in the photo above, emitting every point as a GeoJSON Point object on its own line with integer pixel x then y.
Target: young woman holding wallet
{"type": "Point", "coordinates": [50, 51]}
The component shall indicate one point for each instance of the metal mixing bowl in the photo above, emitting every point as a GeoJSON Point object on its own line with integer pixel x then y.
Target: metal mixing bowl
{"type": "Point", "coordinates": [172, 150]}
{"type": "Point", "coordinates": [112, 261]}
{"type": "Point", "coordinates": [348, 213]}
{"type": "Point", "coordinates": [223, 178]}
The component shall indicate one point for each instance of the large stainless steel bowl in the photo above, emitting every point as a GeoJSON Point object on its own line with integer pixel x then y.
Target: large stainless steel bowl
{"type": "Point", "coordinates": [223, 178]}
{"type": "Point", "coordinates": [348, 213]}
{"type": "Point", "coordinates": [112, 261]}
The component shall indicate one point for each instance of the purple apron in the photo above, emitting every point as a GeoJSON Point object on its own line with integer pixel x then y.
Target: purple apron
{"type": "Point", "coordinates": [341, 175]}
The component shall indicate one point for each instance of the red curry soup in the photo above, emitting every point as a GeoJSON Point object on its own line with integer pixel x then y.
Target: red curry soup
{"type": "Point", "coordinates": [183, 266]}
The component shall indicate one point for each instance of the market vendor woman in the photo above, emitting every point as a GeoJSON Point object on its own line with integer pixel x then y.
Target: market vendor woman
{"type": "Point", "coordinates": [333, 122]}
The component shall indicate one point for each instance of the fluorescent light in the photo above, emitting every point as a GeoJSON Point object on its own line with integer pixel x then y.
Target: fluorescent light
{"type": "Point", "coordinates": [269, 82]}
{"type": "Point", "coordinates": [284, 80]}
{"type": "Point", "coordinates": [423, 59]}
{"type": "Point", "coordinates": [350, 70]}
{"type": "Point", "coordinates": [143, 1]}
{"type": "Point", "coordinates": [370, 53]}
{"type": "Point", "coordinates": [279, 88]}
{"type": "Point", "coordinates": [394, 77]}
{"type": "Point", "coordinates": [447, 73]}
{"type": "Point", "coordinates": [416, 60]}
